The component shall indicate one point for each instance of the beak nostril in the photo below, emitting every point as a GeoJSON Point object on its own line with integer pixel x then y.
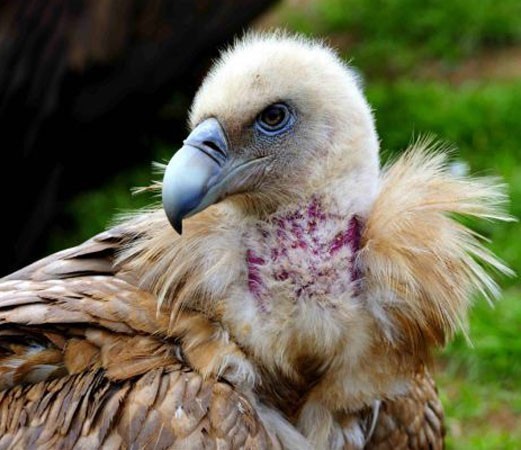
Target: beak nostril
{"type": "Point", "coordinates": [214, 147]}
{"type": "Point", "coordinates": [192, 178]}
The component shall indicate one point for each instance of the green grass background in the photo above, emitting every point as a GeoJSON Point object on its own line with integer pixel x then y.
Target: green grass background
{"type": "Point", "coordinates": [451, 68]}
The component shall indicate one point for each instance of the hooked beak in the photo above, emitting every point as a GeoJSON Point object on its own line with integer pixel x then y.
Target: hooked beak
{"type": "Point", "coordinates": [202, 173]}
{"type": "Point", "coordinates": [193, 171]}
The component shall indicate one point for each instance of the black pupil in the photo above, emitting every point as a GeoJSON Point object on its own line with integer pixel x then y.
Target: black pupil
{"type": "Point", "coordinates": [273, 116]}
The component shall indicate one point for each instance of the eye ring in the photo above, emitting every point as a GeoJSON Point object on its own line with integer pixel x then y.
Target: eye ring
{"type": "Point", "coordinates": [274, 119]}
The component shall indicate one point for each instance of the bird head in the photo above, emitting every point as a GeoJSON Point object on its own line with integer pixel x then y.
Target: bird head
{"type": "Point", "coordinates": [277, 118]}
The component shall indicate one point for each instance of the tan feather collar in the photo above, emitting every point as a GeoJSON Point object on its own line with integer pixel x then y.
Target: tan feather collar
{"type": "Point", "coordinates": [419, 264]}
{"type": "Point", "coordinates": [424, 264]}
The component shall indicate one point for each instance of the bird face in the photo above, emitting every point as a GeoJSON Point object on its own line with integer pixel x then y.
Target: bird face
{"type": "Point", "coordinates": [271, 124]}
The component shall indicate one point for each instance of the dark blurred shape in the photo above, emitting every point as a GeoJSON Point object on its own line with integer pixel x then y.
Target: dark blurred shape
{"type": "Point", "coordinates": [81, 84]}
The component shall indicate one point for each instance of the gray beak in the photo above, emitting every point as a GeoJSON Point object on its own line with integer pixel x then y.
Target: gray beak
{"type": "Point", "coordinates": [193, 171]}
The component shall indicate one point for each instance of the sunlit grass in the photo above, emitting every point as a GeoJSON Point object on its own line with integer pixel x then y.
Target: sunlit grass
{"type": "Point", "coordinates": [480, 386]}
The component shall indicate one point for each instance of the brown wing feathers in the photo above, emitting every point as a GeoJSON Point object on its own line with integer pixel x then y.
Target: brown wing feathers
{"type": "Point", "coordinates": [86, 360]}
{"type": "Point", "coordinates": [412, 422]}
{"type": "Point", "coordinates": [165, 408]}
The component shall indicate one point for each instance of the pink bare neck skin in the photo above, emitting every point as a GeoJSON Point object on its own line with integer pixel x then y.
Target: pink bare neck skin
{"type": "Point", "coordinates": [309, 251]}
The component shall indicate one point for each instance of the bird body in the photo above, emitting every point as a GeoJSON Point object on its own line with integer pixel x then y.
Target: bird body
{"type": "Point", "coordinates": [300, 305]}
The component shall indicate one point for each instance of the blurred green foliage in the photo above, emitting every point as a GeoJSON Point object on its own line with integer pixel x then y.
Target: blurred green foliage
{"type": "Point", "coordinates": [390, 42]}
{"type": "Point", "coordinates": [93, 211]}
{"type": "Point", "coordinates": [389, 36]}
{"type": "Point", "coordinates": [480, 385]}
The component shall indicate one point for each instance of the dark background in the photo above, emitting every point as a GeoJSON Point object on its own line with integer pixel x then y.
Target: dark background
{"type": "Point", "coordinates": [82, 87]}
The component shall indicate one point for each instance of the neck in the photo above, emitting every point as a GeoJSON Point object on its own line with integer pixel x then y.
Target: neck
{"type": "Point", "coordinates": [301, 277]}
{"type": "Point", "coordinates": [298, 246]}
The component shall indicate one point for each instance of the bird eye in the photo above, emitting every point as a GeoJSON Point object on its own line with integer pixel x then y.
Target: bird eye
{"type": "Point", "coordinates": [274, 118]}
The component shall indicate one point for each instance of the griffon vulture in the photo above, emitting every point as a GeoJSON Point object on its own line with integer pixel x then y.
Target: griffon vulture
{"type": "Point", "coordinates": [293, 303]}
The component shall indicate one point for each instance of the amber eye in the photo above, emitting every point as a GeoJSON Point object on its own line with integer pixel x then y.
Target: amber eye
{"type": "Point", "coordinates": [274, 118]}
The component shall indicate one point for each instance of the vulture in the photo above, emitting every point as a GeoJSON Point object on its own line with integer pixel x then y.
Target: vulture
{"type": "Point", "coordinates": [288, 293]}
